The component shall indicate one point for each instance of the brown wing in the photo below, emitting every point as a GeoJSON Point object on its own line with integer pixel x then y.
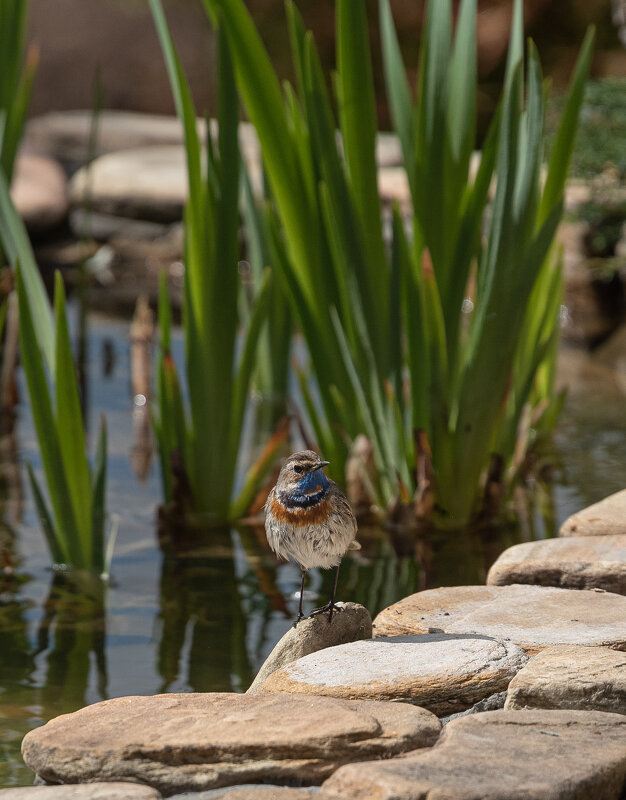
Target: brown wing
{"type": "Point", "coordinates": [343, 509]}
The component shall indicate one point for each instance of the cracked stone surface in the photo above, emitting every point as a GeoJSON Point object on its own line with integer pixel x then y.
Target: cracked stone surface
{"type": "Point", "coordinates": [606, 517]}
{"type": "Point", "coordinates": [591, 678]}
{"type": "Point", "coordinates": [579, 562]}
{"type": "Point", "coordinates": [533, 617]}
{"type": "Point", "coordinates": [501, 755]}
{"type": "Point", "coordinates": [443, 673]}
{"type": "Point", "coordinates": [194, 742]}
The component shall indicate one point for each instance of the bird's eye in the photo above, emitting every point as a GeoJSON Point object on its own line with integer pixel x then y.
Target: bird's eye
{"type": "Point", "coordinates": [297, 468]}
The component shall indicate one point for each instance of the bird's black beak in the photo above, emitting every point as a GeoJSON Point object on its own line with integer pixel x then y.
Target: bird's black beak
{"type": "Point", "coordinates": [321, 464]}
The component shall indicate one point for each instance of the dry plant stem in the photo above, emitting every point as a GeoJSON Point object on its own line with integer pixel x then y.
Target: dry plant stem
{"type": "Point", "coordinates": [8, 389]}
{"type": "Point", "coordinates": [141, 344]}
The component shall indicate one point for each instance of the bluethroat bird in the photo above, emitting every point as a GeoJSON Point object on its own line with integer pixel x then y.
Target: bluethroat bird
{"type": "Point", "coordinates": [309, 519]}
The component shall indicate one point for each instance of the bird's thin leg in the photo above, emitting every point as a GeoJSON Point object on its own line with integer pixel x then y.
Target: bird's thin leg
{"type": "Point", "coordinates": [330, 606]}
{"type": "Point", "coordinates": [300, 612]}
{"type": "Point", "coordinates": [332, 597]}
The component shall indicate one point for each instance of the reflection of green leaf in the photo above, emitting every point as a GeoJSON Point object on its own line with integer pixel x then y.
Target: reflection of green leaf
{"type": "Point", "coordinates": [45, 519]}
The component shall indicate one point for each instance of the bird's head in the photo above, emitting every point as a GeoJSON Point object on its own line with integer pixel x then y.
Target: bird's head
{"type": "Point", "coordinates": [302, 472]}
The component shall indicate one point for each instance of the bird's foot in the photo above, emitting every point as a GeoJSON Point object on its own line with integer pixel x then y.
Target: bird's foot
{"type": "Point", "coordinates": [330, 607]}
{"type": "Point", "coordinates": [298, 618]}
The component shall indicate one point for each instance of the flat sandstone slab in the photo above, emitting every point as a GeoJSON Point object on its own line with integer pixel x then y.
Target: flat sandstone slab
{"type": "Point", "coordinates": [533, 617]}
{"type": "Point", "coordinates": [502, 755]}
{"type": "Point", "coordinates": [442, 673]}
{"type": "Point", "coordinates": [573, 677]}
{"type": "Point", "coordinates": [193, 742]}
{"type": "Point", "coordinates": [88, 791]}
{"type": "Point", "coordinates": [601, 519]}
{"type": "Point", "coordinates": [579, 562]}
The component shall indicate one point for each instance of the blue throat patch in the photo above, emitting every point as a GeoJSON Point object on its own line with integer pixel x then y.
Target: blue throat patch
{"type": "Point", "coordinates": [310, 490]}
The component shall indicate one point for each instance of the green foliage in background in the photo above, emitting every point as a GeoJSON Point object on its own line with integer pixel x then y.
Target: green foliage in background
{"type": "Point", "coordinates": [501, 364]}
{"type": "Point", "coordinates": [601, 139]}
{"type": "Point", "coordinates": [16, 79]}
{"type": "Point", "coordinates": [393, 352]}
{"type": "Point", "coordinates": [73, 520]}
{"type": "Point", "coordinates": [199, 441]}
{"type": "Point", "coordinates": [328, 249]}
{"type": "Point", "coordinates": [272, 372]}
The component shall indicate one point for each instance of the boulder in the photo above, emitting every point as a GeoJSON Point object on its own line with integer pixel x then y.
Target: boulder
{"type": "Point", "coordinates": [574, 677]}
{"type": "Point", "coordinates": [83, 791]}
{"type": "Point", "coordinates": [65, 134]}
{"type": "Point", "coordinates": [501, 755]}
{"type": "Point", "coordinates": [393, 187]}
{"type": "Point", "coordinates": [388, 150]}
{"type": "Point", "coordinates": [606, 517]}
{"type": "Point", "coordinates": [352, 623]}
{"type": "Point", "coordinates": [533, 617]}
{"type": "Point", "coordinates": [581, 562]}
{"type": "Point", "coordinates": [39, 191]}
{"type": "Point", "coordinates": [442, 673]}
{"type": "Point", "coordinates": [194, 742]}
{"type": "Point", "coordinates": [143, 183]}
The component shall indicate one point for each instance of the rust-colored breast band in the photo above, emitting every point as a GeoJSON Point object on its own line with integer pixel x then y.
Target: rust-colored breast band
{"type": "Point", "coordinates": [298, 517]}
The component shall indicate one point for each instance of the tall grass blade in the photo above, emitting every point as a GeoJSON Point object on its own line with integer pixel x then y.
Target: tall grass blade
{"type": "Point", "coordinates": [17, 249]}
{"type": "Point", "coordinates": [69, 425]}
{"type": "Point", "coordinates": [43, 417]}
{"type": "Point", "coordinates": [59, 553]}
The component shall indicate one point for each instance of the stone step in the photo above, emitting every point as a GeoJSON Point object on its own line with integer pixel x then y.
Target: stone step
{"type": "Point", "coordinates": [83, 791]}
{"type": "Point", "coordinates": [533, 617]}
{"type": "Point", "coordinates": [502, 755]}
{"type": "Point", "coordinates": [580, 562]}
{"type": "Point", "coordinates": [443, 673]}
{"type": "Point", "coordinates": [194, 742]}
{"type": "Point", "coordinates": [574, 677]}
{"type": "Point", "coordinates": [605, 517]}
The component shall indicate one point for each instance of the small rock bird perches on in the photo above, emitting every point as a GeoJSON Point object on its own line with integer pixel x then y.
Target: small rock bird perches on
{"type": "Point", "coordinates": [309, 519]}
